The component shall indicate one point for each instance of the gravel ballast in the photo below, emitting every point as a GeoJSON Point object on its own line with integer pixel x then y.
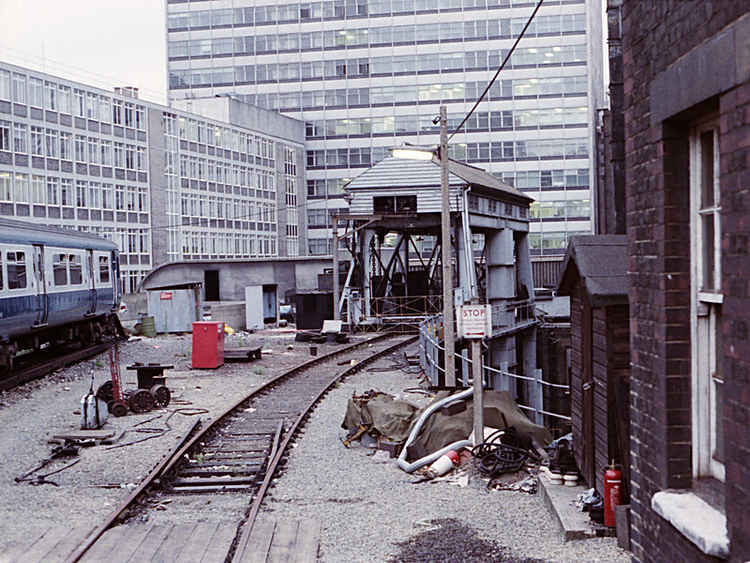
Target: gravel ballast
{"type": "Point", "coordinates": [368, 508]}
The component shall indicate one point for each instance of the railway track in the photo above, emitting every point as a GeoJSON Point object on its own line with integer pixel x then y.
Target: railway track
{"type": "Point", "coordinates": [41, 364]}
{"type": "Point", "coordinates": [239, 453]}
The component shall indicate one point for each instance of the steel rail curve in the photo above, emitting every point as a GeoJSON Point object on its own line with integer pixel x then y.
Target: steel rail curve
{"type": "Point", "coordinates": [195, 434]}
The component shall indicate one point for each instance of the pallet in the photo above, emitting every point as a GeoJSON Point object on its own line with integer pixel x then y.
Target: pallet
{"type": "Point", "coordinates": [275, 540]}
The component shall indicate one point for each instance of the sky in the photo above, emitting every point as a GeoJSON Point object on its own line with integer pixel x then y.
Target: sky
{"type": "Point", "coordinates": [103, 43]}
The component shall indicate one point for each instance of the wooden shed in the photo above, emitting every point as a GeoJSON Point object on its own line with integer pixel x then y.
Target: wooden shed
{"type": "Point", "coordinates": [594, 275]}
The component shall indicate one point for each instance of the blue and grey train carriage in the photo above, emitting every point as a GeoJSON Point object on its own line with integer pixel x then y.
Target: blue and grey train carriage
{"type": "Point", "coordinates": [56, 286]}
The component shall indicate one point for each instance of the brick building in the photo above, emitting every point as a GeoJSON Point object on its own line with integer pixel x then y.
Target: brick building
{"type": "Point", "coordinates": [686, 76]}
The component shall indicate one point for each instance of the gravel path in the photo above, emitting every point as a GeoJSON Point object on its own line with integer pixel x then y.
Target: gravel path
{"type": "Point", "coordinates": [91, 489]}
{"type": "Point", "coordinates": [370, 511]}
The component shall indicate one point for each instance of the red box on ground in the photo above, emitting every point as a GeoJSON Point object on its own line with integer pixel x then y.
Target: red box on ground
{"type": "Point", "coordinates": [208, 344]}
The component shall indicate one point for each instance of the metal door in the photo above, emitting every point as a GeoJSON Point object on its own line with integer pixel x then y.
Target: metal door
{"type": "Point", "coordinates": [92, 282]}
{"type": "Point", "coordinates": [42, 302]}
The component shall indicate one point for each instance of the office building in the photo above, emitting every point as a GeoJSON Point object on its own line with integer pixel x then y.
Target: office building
{"type": "Point", "coordinates": [165, 184]}
{"type": "Point", "coordinates": [365, 76]}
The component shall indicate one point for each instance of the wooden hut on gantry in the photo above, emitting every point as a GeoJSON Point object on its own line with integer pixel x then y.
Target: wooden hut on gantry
{"type": "Point", "coordinates": [394, 277]}
{"type": "Point", "coordinates": [595, 277]}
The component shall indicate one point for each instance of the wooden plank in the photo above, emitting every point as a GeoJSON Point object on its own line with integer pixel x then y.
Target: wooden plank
{"type": "Point", "coordinates": [173, 543]}
{"type": "Point", "coordinates": [283, 542]}
{"type": "Point", "coordinates": [154, 537]}
{"type": "Point", "coordinates": [308, 541]}
{"type": "Point", "coordinates": [37, 552]}
{"type": "Point", "coordinates": [218, 548]}
{"type": "Point", "coordinates": [68, 545]}
{"type": "Point", "coordinates": [256, 548]}
{"type": "Point", "coordinates": [15, 552]}
{"type": "Point", "coordinates": [196, 545]}
{"type": "Point", "coordinates": [113, 539]}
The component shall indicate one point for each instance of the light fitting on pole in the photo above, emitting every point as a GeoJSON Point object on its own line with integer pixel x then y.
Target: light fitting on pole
{"type": "Point", "coordinates": [414, 153]}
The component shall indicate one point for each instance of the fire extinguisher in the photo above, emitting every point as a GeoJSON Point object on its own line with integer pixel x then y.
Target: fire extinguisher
{"type": "Point", "coordinates": [612, 493]}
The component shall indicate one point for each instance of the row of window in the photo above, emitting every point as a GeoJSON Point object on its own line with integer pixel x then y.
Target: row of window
{"type": "Point", "coordinates": [44, 94]}
{"type": "Point", "coordinates": [551, 243]}
{"type": "Point", "coordinates": [568, 209]}
{"type": "Point", "coordinates": [326, 10]}
{"type": "Point", "coordinates": [50, 190]}
{"type": "Point", "coordinates": [395, 65]}
{"type": "Point", "coordinates": [67, 270]}
{"type": "Point", "coordinates": [217, 207]}
{"type": "Point", "coordinates": [201, 168]}
{"type": "Point", "coordinates": [425, 93]}
{"type": "Point", "coordinates": [410, 34]}
{"type": "Point", "coordinates": [322, 217]}
{"type": "Point", "coordinates": [479, 121]}
{"type": "Point", "coordinates": [210, 134]}
{"type": "Point", "coordinates": [22, 139]}
{"type": "Point", "coordinates": [327, 186]}
{"type": "Point", "coordinates": [533, 149]}
{"type": "Point", "coordinates": [226, 244]}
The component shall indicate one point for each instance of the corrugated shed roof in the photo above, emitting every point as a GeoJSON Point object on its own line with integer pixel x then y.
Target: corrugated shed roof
{"type": "Point", "coordinates": [601, 262]}
{"type": "Point", "coordinates": [393, 172]}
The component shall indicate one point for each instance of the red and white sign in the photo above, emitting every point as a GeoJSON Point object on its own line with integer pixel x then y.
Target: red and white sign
{"type": "Point", "coordinates": [474, 321]}
{"type": "Point", "coordinates": [165, 296]}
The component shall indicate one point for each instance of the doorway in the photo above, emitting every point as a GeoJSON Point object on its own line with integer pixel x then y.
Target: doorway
{"type": "Point", "coordinates": [211, 285]}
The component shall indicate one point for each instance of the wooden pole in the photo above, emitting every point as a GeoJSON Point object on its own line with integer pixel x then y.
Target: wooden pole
{"type": "Point", "coordinates": [447, 258]}
{"type": "Point", "coordinates": [476, 373]}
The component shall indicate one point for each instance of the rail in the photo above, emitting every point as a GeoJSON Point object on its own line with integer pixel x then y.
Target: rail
{"type": "Point", "coordinates": [430, 351]}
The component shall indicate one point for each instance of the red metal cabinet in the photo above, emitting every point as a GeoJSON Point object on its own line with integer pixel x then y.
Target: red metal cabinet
{"type": "Point", "coordinates": [208, 344]}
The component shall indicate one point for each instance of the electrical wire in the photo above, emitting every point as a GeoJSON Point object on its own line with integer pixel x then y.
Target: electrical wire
{"type": "Point", "coordinates": [507, 58]}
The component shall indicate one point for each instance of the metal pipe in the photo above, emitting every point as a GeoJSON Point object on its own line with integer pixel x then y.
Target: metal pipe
{"type": "Point", "coordinates": [413, 466]}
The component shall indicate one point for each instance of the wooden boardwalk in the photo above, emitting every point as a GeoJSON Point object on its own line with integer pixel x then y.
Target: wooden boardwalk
{"type": "Point", "coordinates": [203, 542]}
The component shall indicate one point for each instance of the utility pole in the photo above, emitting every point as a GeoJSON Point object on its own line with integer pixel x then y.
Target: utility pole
{"type": "Point", "coordinates": [446, 255]}
{"type": "Point", "coordinates": [335, 220]}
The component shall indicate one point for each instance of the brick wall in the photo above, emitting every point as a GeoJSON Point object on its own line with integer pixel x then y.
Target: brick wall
{"type": "Point", "coordinates": [656, 36]}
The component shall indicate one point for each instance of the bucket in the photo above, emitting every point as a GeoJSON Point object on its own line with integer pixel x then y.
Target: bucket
{"type": "Point", "coordinates": [148, 327]}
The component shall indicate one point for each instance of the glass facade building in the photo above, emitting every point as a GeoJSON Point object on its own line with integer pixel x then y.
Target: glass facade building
{"type": "Point", "coordinates": [367, 75]}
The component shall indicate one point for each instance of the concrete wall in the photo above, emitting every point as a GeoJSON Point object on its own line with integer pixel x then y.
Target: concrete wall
{"type": "Point", "coordinates": [158, 191]}
{"type": "Point", "coordinates": [289, 274]}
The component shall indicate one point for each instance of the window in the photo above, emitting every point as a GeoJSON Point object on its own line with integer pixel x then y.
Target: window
{"type": "Point", "coordinates": [37, 141]}
{"type": "Point", "coordinates": [6, 191]}
{"type": "Point", "coordinates": [5, 136]}
{"type": "Point", "coordinates": [20, 134]}
{"type": "Point", "coordinates": [80, 194]}
{"type": "Point", "coordinates": [706, 299]}
{"type": "Point", "coordinates": [76, 273]}
{"type": "Point", "coordinates": [4, 87]}
{"type": "Point", "coordinates": [19, 88]}
{"type": "Point", "coordinates": [66, 192]}
{"type": "Point", "coordinates": [36, 92]}
{"type": "Point", "coordinates": [106, 147]}
{"type": "Point", "coordinates": [52, 143]}
{"type": "Point", "coordinates": [103, 269]}
{"type": "Point", "coordinates": [60, 269]}
{"type": "Point", "coordinates": [53, 192]}
{"type": "Point", "coordinates": [80, 146]}
{"type": "Point", "coordinates": [16, 263]}
{"type": "Point", "coordinates": [22, 188]}
{"type": "Point", "coordinates": [38, 190]}
{"type": "Point", "coordinates": [63, 99]}
{"type": "Point", "coordinates": [65, 151]}
{"type": "Point", "coordinates": [79, 103]}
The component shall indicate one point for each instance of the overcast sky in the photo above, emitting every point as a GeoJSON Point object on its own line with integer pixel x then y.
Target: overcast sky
{"type": "Point", "coordinates": [104, 43]}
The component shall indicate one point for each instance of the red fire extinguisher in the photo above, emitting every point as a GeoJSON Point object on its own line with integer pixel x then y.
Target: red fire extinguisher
{"type": "Point", "coordinates": [612, 493]}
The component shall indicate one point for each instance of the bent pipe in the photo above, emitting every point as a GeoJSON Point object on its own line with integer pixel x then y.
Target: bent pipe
{"type": "Point", "coordinates": [413, 466]}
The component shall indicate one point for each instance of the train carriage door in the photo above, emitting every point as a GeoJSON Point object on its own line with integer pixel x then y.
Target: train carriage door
{"type": "Point", "coordinates": [42, 301]}
{"type": "Point", "coordinates": [91, 283]}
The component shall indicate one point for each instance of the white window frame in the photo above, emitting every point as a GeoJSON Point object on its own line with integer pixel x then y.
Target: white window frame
{"type": "Point", "coordinates": [705, 310]}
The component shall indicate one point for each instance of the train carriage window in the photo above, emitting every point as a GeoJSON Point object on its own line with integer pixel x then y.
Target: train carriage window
{"type": "Point", "coordinates": [103, 269]}
{"type": "Point", "coordinates": [60, 269]}
{"type": "Point", "coordinates": [16, 269]}
{"type": "Point", "coordinates": [76, 273]}
{"type": "Point", "coordinates": [1, 270]}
